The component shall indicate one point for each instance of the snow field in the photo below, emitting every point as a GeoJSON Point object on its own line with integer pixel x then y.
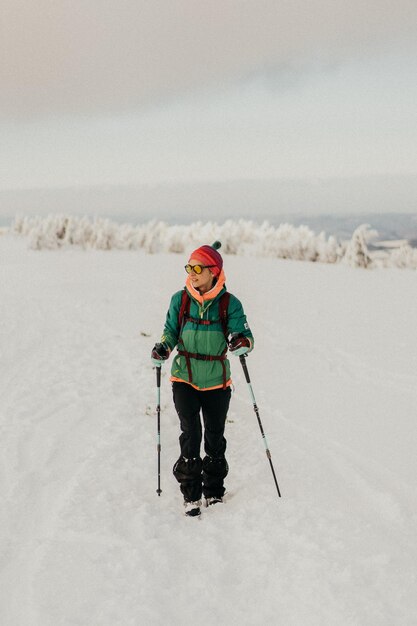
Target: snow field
{"type": "Point", "coordinates": [85, 539]}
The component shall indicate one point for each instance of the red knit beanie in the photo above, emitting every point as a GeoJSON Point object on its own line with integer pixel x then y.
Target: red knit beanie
{"type": "Point", "coordinates": [208, 255]}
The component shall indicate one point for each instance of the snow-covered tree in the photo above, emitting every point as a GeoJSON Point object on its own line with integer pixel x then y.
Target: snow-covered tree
{"type": "Point", "coordinates": [357, 253]}
{"type": "Point", "coordinates": [240, 237]}
{"type": "Point", "coordinates": [404, 257]}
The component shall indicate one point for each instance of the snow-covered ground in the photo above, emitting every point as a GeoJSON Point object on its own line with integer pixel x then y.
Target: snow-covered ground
{"type": "Point", "coordinates": [85, 541]}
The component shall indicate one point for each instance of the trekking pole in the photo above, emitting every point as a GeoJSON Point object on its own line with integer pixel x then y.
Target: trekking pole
{"type": "Point", "coordinates": [242, 358]}
{"type": "Point", "coordinates": [158, 415]}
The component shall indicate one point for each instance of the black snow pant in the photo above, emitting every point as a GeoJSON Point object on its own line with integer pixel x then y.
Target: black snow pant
{"type": "Point", "coordinates": [196, 475]}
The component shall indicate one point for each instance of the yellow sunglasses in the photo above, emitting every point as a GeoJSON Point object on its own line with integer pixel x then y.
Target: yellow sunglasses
{"type": "Point", "coordinates": [197, 269]}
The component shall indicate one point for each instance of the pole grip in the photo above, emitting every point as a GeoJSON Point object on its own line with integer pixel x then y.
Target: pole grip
{"type": "Point", "coordinates": [245, 367]}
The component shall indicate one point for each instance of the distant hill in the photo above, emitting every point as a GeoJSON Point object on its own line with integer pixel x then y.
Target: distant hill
{"type": "Point", "coordinates": [390, 226]}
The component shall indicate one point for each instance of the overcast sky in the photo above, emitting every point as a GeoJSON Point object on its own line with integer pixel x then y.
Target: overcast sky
{"type": "Point", "coordinates": [148, 92]}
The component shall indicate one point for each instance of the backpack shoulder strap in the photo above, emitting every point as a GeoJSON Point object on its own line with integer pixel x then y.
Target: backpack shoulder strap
{"type": "Point", "coordinates": [184, 309]}
{"type": "Point", "coordinates": [223, 310]}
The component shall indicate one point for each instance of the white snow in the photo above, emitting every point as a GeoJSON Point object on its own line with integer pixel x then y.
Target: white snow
{"type": "Point", "coordinates": [85, 540]}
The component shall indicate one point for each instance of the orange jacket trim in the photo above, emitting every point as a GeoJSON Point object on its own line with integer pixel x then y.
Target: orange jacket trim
{"type": "Point", "coordinates": [173, 379]}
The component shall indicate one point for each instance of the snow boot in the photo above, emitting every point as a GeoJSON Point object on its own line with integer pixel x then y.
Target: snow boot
{"type": "Point", "coordinates": [192, 509]}
{"type": "Point", "coordinates": [213, 500]}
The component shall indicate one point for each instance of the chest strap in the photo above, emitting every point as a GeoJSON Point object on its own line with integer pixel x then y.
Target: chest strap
{"type": "Point", "coordinates": [195, 320]}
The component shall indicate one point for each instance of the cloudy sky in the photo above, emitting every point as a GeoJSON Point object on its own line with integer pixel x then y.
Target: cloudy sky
{"type": "Point", "coordinates": [156, 92]}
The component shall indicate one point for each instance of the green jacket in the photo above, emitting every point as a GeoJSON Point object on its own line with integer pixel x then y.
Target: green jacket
{"type": "Point", "coordinates": [203, 339]}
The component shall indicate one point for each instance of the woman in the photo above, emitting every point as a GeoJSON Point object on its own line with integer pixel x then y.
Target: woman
{"type": "Point", "coordinates": [199, 321]}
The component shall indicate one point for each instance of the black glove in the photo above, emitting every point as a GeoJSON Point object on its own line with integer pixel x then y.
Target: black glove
{"type": "Point", "coordinates": [160, 352]}
{"type": "Point", "coordinates": [239, 344]}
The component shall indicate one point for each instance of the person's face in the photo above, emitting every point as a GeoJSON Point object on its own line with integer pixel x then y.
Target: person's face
{"type": "Point", "coordinates": [201, 281]}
